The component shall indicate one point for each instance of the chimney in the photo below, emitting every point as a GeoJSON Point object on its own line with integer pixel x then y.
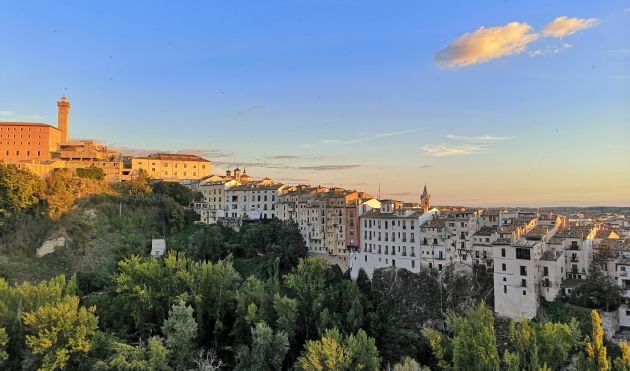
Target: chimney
{"type": "Point", "coordinates": [63, 110]}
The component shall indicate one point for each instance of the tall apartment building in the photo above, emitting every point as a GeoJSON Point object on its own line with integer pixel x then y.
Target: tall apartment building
{"type": "Point", "coordinates": [253, 200]}
{"type": "Point", "coordinates": [526, 266]}
{"type": "Point", "coordinates": [389, 238]}
{"type": "Point", "coordinates": [328, 219]}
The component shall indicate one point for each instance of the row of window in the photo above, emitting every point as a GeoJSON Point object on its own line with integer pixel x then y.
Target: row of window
{"type": "Point", "coordinates": [166, 164]}
{"type": "Point", "coordinates": [394, 223]}
{"type": "Point", "coordinates": [28, 153]}
{"type": "Point", "coordinates": [385, 237]}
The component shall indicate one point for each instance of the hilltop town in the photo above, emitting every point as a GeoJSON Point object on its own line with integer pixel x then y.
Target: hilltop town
{"type": "Point", "coordinates": [532, 254]}
{"type": "Point", "coordinates": [521, 261]}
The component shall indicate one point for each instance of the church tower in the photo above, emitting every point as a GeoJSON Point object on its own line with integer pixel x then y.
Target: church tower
{"type": "Point", "coordinates": [425, 200]}
{"type": "Point", "coordinates": [63, 111]}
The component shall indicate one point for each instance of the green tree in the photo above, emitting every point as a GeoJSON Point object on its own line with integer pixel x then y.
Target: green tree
{"type": "Point", "coordinates": [622, 363]}
{"type": "Point", "coordinates": [180, 330]}
{"type": "Point", "coordinates": [442, 348]}
{"type": "Point", "coordinates": [91, 172]}
{"type": "Point", "coordinates": [44, 318]}
{"type": "Point", "coordinates": [364, 353]}
{"type": "Point", "coordinates": [139, 186]}
{"type": "Point", "coordinates": [273, 238]}
{"type": "Point", "coordinates": [556, 342]}
{"type": "Point", "coordinates": [594, 357]}
{"type": "Point", "coordinates": [336, 352]}
{"type": "Point", "coordinates": [597, 291]}
{"type": "Point", "coordinates": [473, 346]}
{"type": "Point", "coordinates": [58, 331]}
{"type": "Point", "coordinates": [522, 337]}
{"type": "Point", "coordinates": [19, 190]}
{"type": "Point", "coordinates": [153, 356]}
{"type": "Point", "coordinates": [307, 284]}
{"type": "Point", "coordinates": [178, 192]}
{"type": "Point", "coordinates": [4, 340]}
{"type": "Point", "coordinates": [409, 364]}
{"type": "Point", "coordinates": [286, 310]}
{"type": "Point", "coordinates": [328, 353]}
{"type": "Point", "coordinates": [266, 351]}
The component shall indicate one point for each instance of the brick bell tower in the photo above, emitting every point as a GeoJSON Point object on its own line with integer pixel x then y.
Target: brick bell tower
{"type": "Point", "coordinates": [63, 111]}
{"type": "Point", "coordinates": [425, 200]}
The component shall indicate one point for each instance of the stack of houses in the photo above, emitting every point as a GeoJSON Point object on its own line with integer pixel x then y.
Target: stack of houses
{"type": "Point", "coordinates": [533, 255]}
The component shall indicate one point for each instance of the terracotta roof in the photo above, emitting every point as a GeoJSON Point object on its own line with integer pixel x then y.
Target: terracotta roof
{"type": "Point", "coordinates": [486, 231]}
{"type": "Point", "coordinates": [376, 214]}
{"type": "Point", "coordinates": [173, 156]}
{"type": "Point", "coordinates": [434, 223]}
{"type": "Point", "coordinates": [19, 123]}
{"type": "Point", "coordinates": [574, 232]}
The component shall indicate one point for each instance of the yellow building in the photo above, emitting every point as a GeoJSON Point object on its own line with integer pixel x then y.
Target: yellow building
{"type": "Point", "coordinates": [172, 167]}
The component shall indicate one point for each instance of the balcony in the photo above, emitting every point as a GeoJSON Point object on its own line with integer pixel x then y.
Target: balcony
{"type": "Point", "coordinates": [623, 273]}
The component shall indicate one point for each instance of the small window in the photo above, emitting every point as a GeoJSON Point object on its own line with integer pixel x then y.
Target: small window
{"type": "Point", "coordinates": [502, 252]}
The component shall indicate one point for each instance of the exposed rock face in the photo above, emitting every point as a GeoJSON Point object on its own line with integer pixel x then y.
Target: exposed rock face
{"type": "Point", "coordinates": [49, 246]}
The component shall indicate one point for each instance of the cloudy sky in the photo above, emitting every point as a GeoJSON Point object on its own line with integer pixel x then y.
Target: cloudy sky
{"type": "Point", "coordinates": [488, 103]}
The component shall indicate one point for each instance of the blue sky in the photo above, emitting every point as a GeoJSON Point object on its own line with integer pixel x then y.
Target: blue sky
{"type": "Point", "coordinates": [345, 93]}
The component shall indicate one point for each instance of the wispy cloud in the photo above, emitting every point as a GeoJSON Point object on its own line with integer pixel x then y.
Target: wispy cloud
{"type": "Point", "coordinates": [6, 113]}
{"type": "Point", "coordinates": [425, 166]}
{"type": "Point", "coordinates": [479, 139]}
{"type": "Point", "coordinates": [485, 44]}
{"type": "Point", "coordinates": [285, 157]}
{"type": "Point", "coordinates": [261, 164]}
{"type": "Point", "coordinates": [277, 165]}
{"type": "Point", "coordinates": [488, 43]}
{"type": "Point", "coordinates": [250, 109]}
{"type": "Point", "coordinates": [328, 167]}
{"type": "Point", "coordinates": [443, 150]}
{"type": "Point", "coordinates": [361, 139]}
{"type": "Point", "coordinates": [293, 180]}
{"type": "Point", "coordinates": [209, 153]}
{"type": "Point", "coordinates": [565, 26]}
{"type": "Point", "coordinates": [549, 50]}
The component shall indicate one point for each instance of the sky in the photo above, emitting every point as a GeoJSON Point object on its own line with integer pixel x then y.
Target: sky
{"type": "Point", "coordinates": [488, 103]}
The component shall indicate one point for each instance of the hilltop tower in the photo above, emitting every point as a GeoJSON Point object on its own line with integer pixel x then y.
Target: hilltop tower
{"type": "Point", "coordinates": [425, 200]}
{"type": "Point", "coordinates": [63, 111]}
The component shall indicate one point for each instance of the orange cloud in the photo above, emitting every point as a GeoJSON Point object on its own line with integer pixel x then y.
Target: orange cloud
{"type": "Point", "coordinates": [485, 44]}
{"type": "Point", "coordinates": [564, 26]}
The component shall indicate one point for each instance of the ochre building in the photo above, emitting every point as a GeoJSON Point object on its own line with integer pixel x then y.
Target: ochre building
{"type": "Point", "coordinates": [172, 167]}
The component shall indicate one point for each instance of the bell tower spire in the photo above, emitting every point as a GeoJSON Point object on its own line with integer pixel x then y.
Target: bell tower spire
{"type": "Point", "coordinates": [425, 199]}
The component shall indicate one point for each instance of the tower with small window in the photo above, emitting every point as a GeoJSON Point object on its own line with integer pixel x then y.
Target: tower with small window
{"type": "Point", "coordinates": [425, 200]}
